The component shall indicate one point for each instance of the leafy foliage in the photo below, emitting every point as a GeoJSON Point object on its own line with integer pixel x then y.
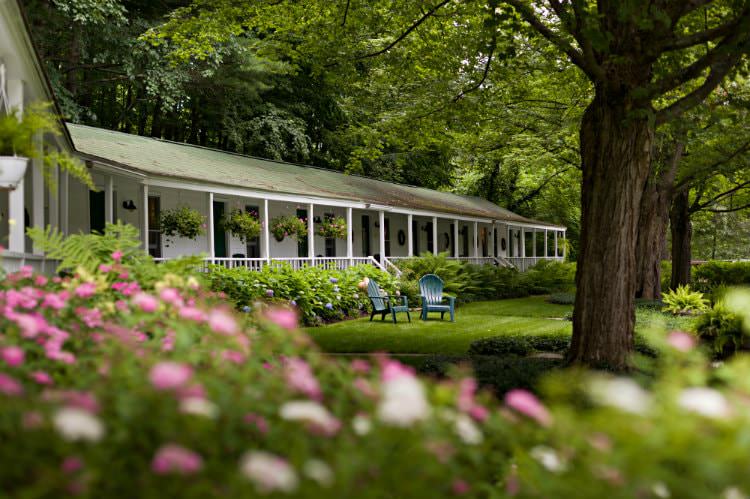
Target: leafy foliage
{"type": "Point", "coordinates": [243, 225]}
{"type": "Point", "coordinates": [684, 300]}
{"type": "Point", "coordinates": [721, 330]}
{"type": "Point", "coordinates": [18, 138]}
{"type": "Point", "coordinates": [710, 275]}
{"type": "Point", "coordinates": [288, 226]}
{"type": "Point", "coordinates": [184, 222]}
{"type": "Point", "coordinates": [333, 227]}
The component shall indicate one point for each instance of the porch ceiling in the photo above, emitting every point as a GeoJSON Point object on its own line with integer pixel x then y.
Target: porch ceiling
{"type": "Point", "coordinates": [210, 166]}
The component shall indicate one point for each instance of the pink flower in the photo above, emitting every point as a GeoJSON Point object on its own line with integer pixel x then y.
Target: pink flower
{"type": "Point", "coordinates": [145, 302]}
{"type": "Point", "coordinates": [41, 378]}
{"type": "Point", "coordinates": [258, 421]}
{"type": "Point", "coordinates": [360, 366]}
{"type": "Point", "coordinates": [170, 295]}
{"type": "Point", "coordinates": [55, 301]}
{"type": "Point", "coordinates": [172, 458]}
{"type": "Point", "coordinates": [283, 317]}
{"type": "Point", "coordinates": [117, 256]}
{"type": "Point", "coordinates": [460, 487]}
{"type": "Point", "coordinates": [233, 356]}
{"type": "Point", "coordinates": [170, 375]}
{"type": "Point", "coordinates": [365, 388]}
{"type": "Point", "coordinates": [300, 378]}
{"type": "Point", "coordinates": [393, 369]}
{"type": "Point", "coordinates": [223, 323]}
{"type": "Point", "coordinates": [193, 314]}
{"type": "Point", "coordinates": [104, 268]}
{"type": "Point", "coordinates": [13, 356]}
{"type": "Point", "coordinates": [9, 386]}
{"type": "Point", "coordinates": [30, 325]}
{"type": "Point", "coordinates": [32, 420]}
{"type": "Point", "coordinates": [680, 340]}
{"type": "Point", "coordinates": [85, 290]}
{"type": "Point", "coordinates": [527, 404]}
{"type": "Point", "coordinates": [40, 281]}
{"type": "Point", "coordinates": [71, 464]}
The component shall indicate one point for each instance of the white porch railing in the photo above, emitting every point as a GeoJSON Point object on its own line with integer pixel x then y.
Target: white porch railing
{"type": "Point", "coordinates": [523, 263]}
{"type": "Point", "coordinates": [12, 262]}
{"type": "Point", "coordinates": [339, 263]}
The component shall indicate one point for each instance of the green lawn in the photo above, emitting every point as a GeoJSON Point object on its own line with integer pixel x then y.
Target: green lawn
{"type": "Point", "coordinates": [532, 315]}
{"type": "Point", "coordinates": [473, 321]}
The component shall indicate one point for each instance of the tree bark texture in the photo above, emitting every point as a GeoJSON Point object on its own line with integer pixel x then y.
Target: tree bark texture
{"type": "Point", "coordinates": [615, 154]}
{"type": "Point", "coordinates": [652, 225]}
{"type": "Point", "coordinates": [682, 234]}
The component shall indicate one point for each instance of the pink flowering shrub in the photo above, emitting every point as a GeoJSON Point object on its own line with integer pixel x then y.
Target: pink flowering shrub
{"type": "Point", "coordinates": [185, 398]}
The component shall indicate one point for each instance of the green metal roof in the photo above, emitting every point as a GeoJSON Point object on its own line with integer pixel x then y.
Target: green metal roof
{"type": "Point", "coordinates": [188, 162]}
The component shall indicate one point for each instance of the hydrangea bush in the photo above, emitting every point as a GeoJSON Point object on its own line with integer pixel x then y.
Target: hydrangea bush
{"type": "Point", "coordinates": [318, 294]}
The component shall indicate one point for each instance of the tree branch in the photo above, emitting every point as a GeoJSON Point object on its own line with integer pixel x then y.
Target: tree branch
{"type": "Point", "coordinates": [724, 194]}
{"type": "Point", "coordinates": [593, 71]}
{"type": "Point", "coordinates": [346, 13]}
{"type": "Point", "coordinates": [481, 81]}
{"type": "Point", "coordinates": [406, 32]}
{"type": "Point", "coordinates": [535, 192]}
{"type": "Point", "coordinates": [728, 210]}
{"type": "Point", "coordinates": [688, 41]}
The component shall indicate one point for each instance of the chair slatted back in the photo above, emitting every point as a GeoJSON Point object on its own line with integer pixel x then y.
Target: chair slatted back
{"type": "Point", "coordinates": [431, 287]}
{"type": "Point", "coordinates": [373, 292]}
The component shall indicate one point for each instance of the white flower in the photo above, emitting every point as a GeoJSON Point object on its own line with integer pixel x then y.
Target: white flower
{"type": "Point", "coordinates": [403, 402]}
{"type": "Point", "coordinates": [622, 393]}
{"type": "Point", "coordinates": [319, 471]}
{"type": "Point", "coordinates": [467, 430]}
{"type": "Point", "coordinates": [268, 472]}
{"type": "Point", "coordinates": [199, 407]}
{"type": "Point", "coordinates": [733, 493]}
{"type": "Point", "coordinates": [660, 490]}
{"type": "Point", "coordinates": [548, 458]}
{"type": "Point", "coordinates": [310, 412]}
{"type": "Point", "coordinates": [705, 401]}
{"type": "Point", "coordinates": [77, 424]}
{"type": "Point", "coordinates": [361, 425]}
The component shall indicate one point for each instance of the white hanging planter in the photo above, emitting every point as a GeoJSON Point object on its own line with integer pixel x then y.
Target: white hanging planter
{"type": "Point", "coordinates": [12, 170]}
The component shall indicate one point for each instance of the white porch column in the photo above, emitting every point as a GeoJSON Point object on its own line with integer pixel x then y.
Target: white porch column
{"type": "Point", "coordinates": [434, 236]}
{"type": "Point", "coordinates": [54, 198]}
{"type": "Point", "coordinates": [522, 237]}
{"type": "Point", "coordinates": [556, 243]}
{"type": "Point", "coordinates": [349, 235]}
{"type": "Point", "coordinates": [37, 193]}
{"type": "Point", "coordinates": [311, 231]}
{"type": "Point", "coordinates": [16, 239]}
{"type": "Point", "coordinates": [265, 240]}
{"type": "Point", "coordinates": [410, 234]}
{"type": "Point", "coordinates": [381, 236]}
{"type": "Point", "coordinates": [144, 214]}
{"type": "Point", "coordinates": [565, 246]}
{"type": "Point", "coordinates": [210, 232]}
{"type": "Point", "coordinates": [546, 249]}
{"type": "Point", "coordinates": [109, 209]}
{"type": "Point", "coordinates": [456, 252]}
{"type": "Point", "coordinates": [493, 252]}
{"type": "Point", "coordinates": [476, 239]}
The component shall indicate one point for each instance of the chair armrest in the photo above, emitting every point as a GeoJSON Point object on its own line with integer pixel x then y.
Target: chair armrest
{"type": "Point", "coordinates": [451, 299]}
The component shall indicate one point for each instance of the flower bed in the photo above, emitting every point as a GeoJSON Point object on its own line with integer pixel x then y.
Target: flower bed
{"type": "Point", "coordinates": [112, 387]}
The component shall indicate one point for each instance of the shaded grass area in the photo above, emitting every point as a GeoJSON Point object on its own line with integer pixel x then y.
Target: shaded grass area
{"type": "Point", "coordinates": [532, 315]}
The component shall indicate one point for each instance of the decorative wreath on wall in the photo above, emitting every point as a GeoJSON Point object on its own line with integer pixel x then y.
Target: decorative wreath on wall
{"type": "Point", "coordinates": [503, 244]}
{"type": "Point", "coordinates": [447, 240]}
{"type": "Point", "coordinates": [401, 238]}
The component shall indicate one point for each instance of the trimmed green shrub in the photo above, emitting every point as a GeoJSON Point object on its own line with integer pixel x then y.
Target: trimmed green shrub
{"type": "Point", "coordinates": [520, 344]}
{"type": "Point", "coordinates": [711, 274]}
{"type": "Point", "coordinates": [550, 276]}
{"type": "Point", "coordinates": [562, 298]}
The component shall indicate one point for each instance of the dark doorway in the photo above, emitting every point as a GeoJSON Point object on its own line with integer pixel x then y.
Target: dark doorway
{"type": "Point", "coordinates": [366, 235]}
{"type": "Point", "coordinates": [416, 236]}
{"type": "Point", "coordinates": [453, 239]}
{"type": "Point", "coordinates": [387, 237]}
{"type": "Point", "coordinates": [302, 241]}
{"type": "Point", "coordinates": [430, 230]}
{"type": "Point", "coordinates": [330, 241]}
{"type": "Point", "coordinates": [464, 241]}
{"type": "Point", "coordinates": [220, 235]}
{"type": "Point", "coordinates": [253, 245]}
{"type": "Point", "coordinates": [96, 211]}
{"type": "Point", "coordinates": [154, 226]}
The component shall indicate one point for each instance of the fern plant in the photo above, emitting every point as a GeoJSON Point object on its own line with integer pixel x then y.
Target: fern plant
{"type": "Point", "coordinates": [684, 301]}
{"type": "Point", "coordinates": [89, 250]}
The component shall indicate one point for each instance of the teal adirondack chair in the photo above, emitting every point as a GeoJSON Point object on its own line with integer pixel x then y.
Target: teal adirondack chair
{"type": "Point", "coordinates": [386, 304]}
{"type": "Point", "coordinates": [431, 289]}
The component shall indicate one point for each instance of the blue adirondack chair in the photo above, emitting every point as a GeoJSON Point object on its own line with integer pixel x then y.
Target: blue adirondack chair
{"type": "Point", "coordinates": [431, 289]}
{"type": "Point", "coordinates": [386, 304]}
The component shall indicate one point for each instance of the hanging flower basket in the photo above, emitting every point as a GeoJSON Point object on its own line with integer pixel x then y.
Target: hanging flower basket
{"type": "Point", "coordinates": [243, 225]}
{"type": "Point", "coordinates": [333, 228]}
{"type": "Point", "coordinates": [181, 222]}
{"type": "Point", "coordinates": [288, 226]}
{"type": "Point", "coordinates": [12, 170]}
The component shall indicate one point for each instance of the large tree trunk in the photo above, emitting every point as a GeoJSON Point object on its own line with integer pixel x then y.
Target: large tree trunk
{"type": "Point", "coordinates": [682, 234]}
{"type": "Point", "coordinates": [615, 154]}
{"type": "Point", "coordinates": [652, 226]}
